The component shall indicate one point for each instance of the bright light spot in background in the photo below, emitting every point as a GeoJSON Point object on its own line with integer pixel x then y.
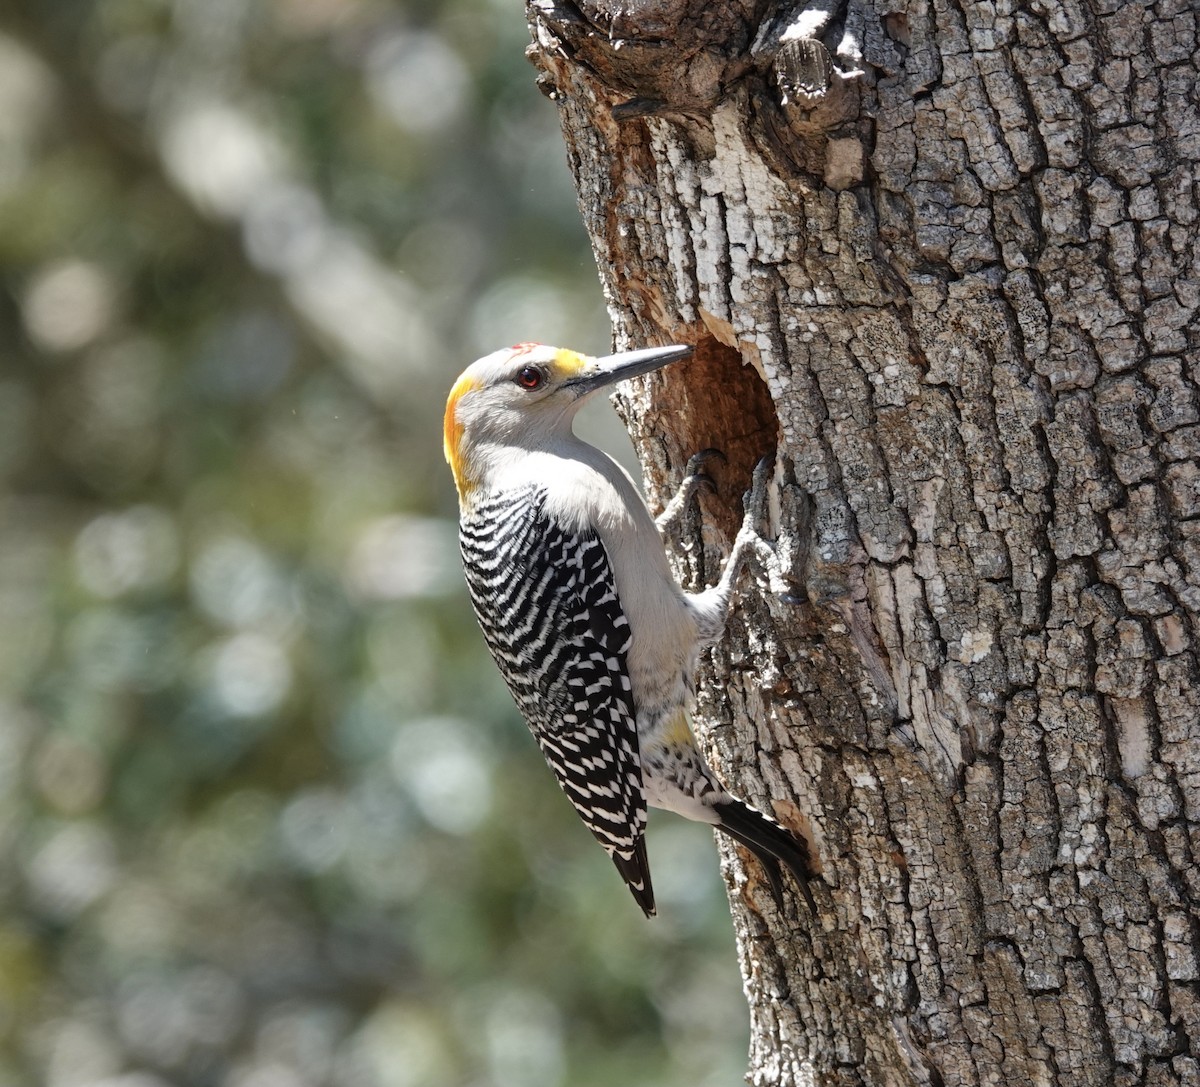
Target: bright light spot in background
{"type": "Point", "coordinates": [284, 228]}
{"type": "Point", "coordinates": [398, 557]}
{"type": "Point", "coordinates": [220, 156]}
{"type": "Point", "coordinates": [452, 790]}
{"type": "Point", "coordinates": [250, 675]}
{"type": "Point", "coordinates": [68, 305]}
{"type": "Point", "coordinates": [439, 761]}
{"type": "Point", "coordinates": [365, 834]}
{"type": "Point", "coordinates": [314, 829]}
{"type": "Point", "coordinates": [524, 1040]}
{"type": "Point", "coordinates": [372, 312]}
{"type": "Point", "coordinates": [139, 919]}
{"type": "Point", "coordinates": [419, 80]}
{"type": "Point", "coordinates": [135, 549]}
{"type": "Point", "coordinates": [329, 276]}
{"type": "Point", "coordinates": [235, 582]}
{"type": "Point", "coordinates": [80, 1054]}
{"type": "Point", "coordinates": [401, 1046]}
{"type": "Point", "coordinates": [27, 91]}
{"type": "Point", "coordinates": [73, 869]}
{"type": "Point", "coordinates": [300, 1039]}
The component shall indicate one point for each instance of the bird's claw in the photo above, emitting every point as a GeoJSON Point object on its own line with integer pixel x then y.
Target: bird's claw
{"type": "Point", "coordinates": [749, 538]}
{"type": "Point", "coordinates": [697, 461]}
{"type": "Point", "coordinates": [694, 474]}
{"type": "Point", "coordinates": [754, 502]}
{"type": "Point", "coordinates": [694, 479]}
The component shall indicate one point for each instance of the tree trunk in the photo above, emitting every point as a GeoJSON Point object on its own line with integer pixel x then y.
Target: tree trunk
{"type": "Point", "coordinates": [942, 259]}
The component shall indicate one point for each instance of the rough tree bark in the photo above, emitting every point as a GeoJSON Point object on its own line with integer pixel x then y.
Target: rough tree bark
{"type": "Point", "coordinates": [943, 258]}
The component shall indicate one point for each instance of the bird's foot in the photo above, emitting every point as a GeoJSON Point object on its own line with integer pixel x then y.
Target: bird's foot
{"type": "Point", "coordinates": [695, 479]}
{"type": "Point", "coordinates": [749, 542]}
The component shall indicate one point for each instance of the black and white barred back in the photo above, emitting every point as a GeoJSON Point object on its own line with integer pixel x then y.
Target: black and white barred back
{"type": "Point", "coordinates": [546, 602]}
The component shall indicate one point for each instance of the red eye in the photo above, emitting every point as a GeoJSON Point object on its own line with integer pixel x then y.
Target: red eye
{"type": "Point", "coordinates": [530, 377]}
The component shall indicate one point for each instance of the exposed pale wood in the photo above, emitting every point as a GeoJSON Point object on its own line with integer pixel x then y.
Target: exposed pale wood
{"type": "Point", "coordinates": [958, 293]}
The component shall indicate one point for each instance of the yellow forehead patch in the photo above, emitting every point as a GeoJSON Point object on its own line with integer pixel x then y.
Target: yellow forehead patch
{"type": "Point", "coordinates": [452, 430]}
{"type": "Point", "coordinates": [568, 363]}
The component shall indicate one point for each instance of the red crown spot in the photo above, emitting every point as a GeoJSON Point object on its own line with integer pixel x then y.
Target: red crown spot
{"type": "Point", "coordinates": [523, 348]}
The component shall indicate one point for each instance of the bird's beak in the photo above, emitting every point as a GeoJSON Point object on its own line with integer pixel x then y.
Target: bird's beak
{"type": "Point", "coordinates": [626, 364]}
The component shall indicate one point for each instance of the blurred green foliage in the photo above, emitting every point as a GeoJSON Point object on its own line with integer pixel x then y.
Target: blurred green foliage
{"type": "Point", "coordinates": [269, 818]}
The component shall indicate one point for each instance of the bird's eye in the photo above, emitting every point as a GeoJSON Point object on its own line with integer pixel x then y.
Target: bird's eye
{"type": "Point", "coordinates": [530, 377]}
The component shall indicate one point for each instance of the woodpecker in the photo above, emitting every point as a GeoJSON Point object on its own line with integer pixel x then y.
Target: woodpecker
{"type": "Point", "coordinates": [595, 638]}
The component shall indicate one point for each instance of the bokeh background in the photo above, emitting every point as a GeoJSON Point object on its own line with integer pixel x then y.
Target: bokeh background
{"type": "Point", "coordinates": [267, 816]}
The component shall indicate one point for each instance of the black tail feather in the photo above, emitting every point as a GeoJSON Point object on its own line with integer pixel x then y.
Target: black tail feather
{"type": "Point", "coordinates": [635, 871]}
{"type": "Point", "coordinates": [768, 862]}
{"type": "Point", "coordinates": [771, 844]}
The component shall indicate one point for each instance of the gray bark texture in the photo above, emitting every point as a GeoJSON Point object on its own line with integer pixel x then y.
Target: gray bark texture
{"type": "Point", "coordinates": [942, 259]}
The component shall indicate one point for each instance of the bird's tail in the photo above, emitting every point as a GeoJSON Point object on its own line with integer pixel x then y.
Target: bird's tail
{"type": "Point", "coordinates": [635, 871]}
{"type": "Point", "coordinates": [771, 844]}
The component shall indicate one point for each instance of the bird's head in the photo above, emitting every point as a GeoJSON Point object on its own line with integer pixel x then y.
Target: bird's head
{"type": "Point", "coordinates": [525, 397]}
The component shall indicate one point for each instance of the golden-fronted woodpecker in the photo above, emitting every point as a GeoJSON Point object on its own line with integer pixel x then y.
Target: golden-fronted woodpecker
{"type": "Point", "coordinates": [596, 640]}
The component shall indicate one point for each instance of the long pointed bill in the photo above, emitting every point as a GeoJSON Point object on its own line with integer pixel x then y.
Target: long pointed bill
{"type": "Point", "coordinates": [626, 364]}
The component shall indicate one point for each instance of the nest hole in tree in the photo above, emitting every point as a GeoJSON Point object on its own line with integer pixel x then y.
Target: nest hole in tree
{"type": "Point", "coordinates": [714, 400]}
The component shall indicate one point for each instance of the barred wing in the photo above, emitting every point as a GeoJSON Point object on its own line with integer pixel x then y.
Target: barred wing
{"type": "Point", "coordinates": [547, 603]}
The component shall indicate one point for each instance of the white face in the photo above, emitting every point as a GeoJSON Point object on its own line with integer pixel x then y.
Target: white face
{"type": "Point", "coordinates": [518, 397]}
{"type": "Point", "coordinates": [519, 393]}
{"type": "Point", "coordinates": [524, 397]}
